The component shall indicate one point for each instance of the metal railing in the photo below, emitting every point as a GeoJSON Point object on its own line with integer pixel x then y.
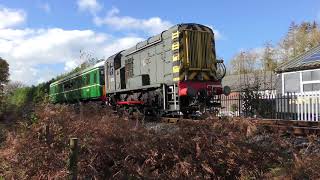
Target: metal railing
{"type": "Point", "coordinates": [289, 106]}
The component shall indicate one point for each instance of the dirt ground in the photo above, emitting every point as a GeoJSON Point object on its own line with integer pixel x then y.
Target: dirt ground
{"type": "Point", "coordinates": [111, 147]}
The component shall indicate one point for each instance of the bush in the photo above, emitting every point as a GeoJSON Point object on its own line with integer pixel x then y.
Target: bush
{"type": "Point", "coordinates": [115, 148]}
{"type": "Point", "coordinates": [118, 148]}
{"type": "Point", "coordinates": [2, 134]}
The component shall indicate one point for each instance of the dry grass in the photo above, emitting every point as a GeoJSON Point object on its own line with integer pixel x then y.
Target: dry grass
{"type": "Point", "coordinates": [112, 147]}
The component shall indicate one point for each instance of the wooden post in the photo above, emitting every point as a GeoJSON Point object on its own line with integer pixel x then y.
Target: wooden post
{"type": "Point", "coordinates": [47, 134]}
{"type": "Point", "coordinates": [73, 159]}
{"type": "Point", "coordinates": [287, 109]}
{"type": "Point", "coordinates": [81, 111]}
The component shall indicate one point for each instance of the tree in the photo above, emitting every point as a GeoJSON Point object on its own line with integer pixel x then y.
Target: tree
{"type": "Point", "coordinates": [12, 86]}
{"type": "Point", "coordinates": [287, 45]}
{"type": "Point", "coordinates": [4, 78]}
{"type": "Point", "coordinates": [299, 39]}
{"type": "Point", "coordinates": [269, 63]}
{"type": "Point", "coordinates": [244, 62]}
{"type": "Point", "coordinates": [314, 35]}
{"type": "Point", "coordinates": [4, 73]}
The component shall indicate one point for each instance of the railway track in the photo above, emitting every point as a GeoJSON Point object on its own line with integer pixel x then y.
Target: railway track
{"type": "Point", "coordinates": [292, 127]}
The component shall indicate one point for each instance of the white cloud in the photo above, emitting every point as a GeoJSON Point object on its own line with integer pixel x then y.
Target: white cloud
{"type": "Point", "coordinates": [89, 5]}
{"type": "Point", "coordinates": [151, 25]}
{"type": "Point", "coordinates": [32, 53]}
{"type": "Point", "coordinates": [28, 51]}
{"type": "Point", "coordinates": [11, 17]}
{"type": "Point", "coordinates": [45, 7]}
{"type": "Point", "coordinates": [217, 33]}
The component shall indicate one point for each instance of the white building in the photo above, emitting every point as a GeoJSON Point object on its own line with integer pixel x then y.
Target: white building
{"type": "Point", "coordinates": [301, 74]}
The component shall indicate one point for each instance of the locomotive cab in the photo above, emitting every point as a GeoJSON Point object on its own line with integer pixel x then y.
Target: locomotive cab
{"type": "Point", "coordinates": [195, 68]}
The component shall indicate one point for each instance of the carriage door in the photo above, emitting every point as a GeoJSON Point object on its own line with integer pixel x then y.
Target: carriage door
{"type": "Point", "coordinates": [110, 77]}
{"type": "Point", "coordinates": [123, 78]}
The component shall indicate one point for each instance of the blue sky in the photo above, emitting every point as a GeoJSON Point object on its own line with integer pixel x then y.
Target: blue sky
{"type": "Point", "coordinates": [45, 37]}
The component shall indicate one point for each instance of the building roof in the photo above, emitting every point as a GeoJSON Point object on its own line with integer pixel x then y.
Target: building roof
{"type": "Point", "coordinates": [264, 80]}
{"type": "Point", "coordinates": [302, 62]}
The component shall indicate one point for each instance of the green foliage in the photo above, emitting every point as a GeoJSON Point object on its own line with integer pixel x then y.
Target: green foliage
{"type": "Point", "coordinates": [33, 118]}
{"type": "Point", "coordinates": [4, 75]}
{"type": "Point", "coordinates": [20, 97]}
{"type": "Point", "coordinates": [2, 136]}
{"type": "Point", "coordinates": [20, 102]}
{"type": "Point", "coordinates": [4, 72]}
{"type": "Point", "coordinates": [234, 107]}
{"type": "Point", "coordinates": [251, 101]}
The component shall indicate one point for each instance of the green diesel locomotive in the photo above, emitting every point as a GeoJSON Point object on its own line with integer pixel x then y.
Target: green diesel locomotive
{"type": "Point", "coordinates": [175, 72]}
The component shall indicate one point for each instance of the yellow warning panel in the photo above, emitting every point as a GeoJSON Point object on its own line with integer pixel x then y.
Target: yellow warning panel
{"type": "Point", "coordinates": [175, 46]}
{"type": "Point", "coordinates": [175, 57]}
{"type": "Point", "coordinates": [175, 69]}
{"type": "Point", "coordinates": [175, 35]}
{"type": "Point", "coordinates": [176, 79]}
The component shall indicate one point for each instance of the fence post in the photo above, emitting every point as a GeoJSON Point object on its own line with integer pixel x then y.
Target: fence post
{"type": "Point", "coordinates": [73, 159]}
{"type": "Point", "coordinates": [278, 106]}
{"type": "Point", "coordinates": [239, 107]}
{"type": "Point", "coordinates": [81, 111]}
{"type": "Point", "coordinates": [317, 106]}
{"type": "Point", "coordinates": [47, 134]}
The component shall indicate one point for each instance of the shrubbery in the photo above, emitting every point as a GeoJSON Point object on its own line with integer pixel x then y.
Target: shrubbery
{"type": "Point", "coordinates": [19, 103]}
{"type": "Point", "coordinates": [111, 147]}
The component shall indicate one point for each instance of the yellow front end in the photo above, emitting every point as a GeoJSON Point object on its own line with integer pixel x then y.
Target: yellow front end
{"type": "Point", "coordinates": [194, 55]}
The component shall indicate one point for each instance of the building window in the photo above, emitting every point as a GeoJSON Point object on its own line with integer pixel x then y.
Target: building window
{"type": "Point", "coordinates": [311, 80]}
{"type": "Point", "coordinates": [311, 75]}
{"type": "Point", "coordinates": [311, 87]}
{"type": "Point", "coordinates": [303, 81]}
{"type": "Point", "coordinates": [292, 82]}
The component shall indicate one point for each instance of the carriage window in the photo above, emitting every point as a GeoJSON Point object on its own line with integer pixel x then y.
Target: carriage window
{"type": "Point", "coordinates": [87, 79]}
{"type": "Point", "coordinates": [129, 68]}
{"type": "Point", "coordinates": [110, 69]}
{"type": "Point", "coordinates": [95, 78]}
{"type": "Point", "coordinates": [102, 77]}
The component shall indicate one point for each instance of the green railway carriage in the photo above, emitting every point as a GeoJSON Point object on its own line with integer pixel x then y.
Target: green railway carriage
{"type": "Point", "coordinates": [84, 85]}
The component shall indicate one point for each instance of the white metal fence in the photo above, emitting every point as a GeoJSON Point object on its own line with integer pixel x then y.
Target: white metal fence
{"type": "Point", "coordinates": [290, 106]}
{"type": "Point", "coordinates": [307, 106]}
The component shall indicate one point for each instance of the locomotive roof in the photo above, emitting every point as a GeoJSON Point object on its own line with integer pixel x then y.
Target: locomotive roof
{"type": "Point", "coordinates": [157, 38]}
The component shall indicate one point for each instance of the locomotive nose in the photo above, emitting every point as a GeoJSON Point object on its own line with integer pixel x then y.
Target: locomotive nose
{"type": "Point", "coordinates": [191, 92]}
{"type": "Point", "coordinates": [226, 90]}
{"type": "Point", "coordinates": [187, 91]}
